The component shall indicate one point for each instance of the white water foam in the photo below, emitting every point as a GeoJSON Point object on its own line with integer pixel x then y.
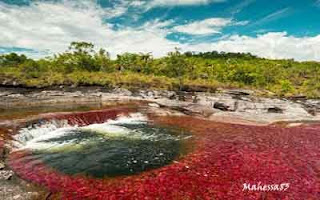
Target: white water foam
{"type": "Point", "coordinates": [34, 137]}
{"type": "Point", "coordinates": [40, 131]}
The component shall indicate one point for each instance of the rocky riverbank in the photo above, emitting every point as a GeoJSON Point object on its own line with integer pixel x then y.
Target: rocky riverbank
{"type": "Point", "coordinates": [224, 105]}
{"type": "Point", "coordinates": [230, 106]}
{"type": "Point", "coordinates": [14, 188]}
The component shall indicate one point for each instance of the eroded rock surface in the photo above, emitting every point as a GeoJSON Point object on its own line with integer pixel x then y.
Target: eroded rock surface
{"type": "Point", "coordinates": [241, 104]}
{"type": "Point", "coordinates": [234, 106]}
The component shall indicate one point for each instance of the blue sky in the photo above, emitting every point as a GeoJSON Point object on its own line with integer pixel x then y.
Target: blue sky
{"type": "Point", "coordinates": [267, 28]}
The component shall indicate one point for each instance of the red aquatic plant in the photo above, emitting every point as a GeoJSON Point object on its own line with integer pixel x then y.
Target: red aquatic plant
{"type": "Point", "coordinates": [224, 158]}
{"type": "Point", "coordinates": [86, 118]}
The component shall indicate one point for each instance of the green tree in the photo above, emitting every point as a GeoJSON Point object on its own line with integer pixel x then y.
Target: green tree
{"type": "Point", "coordinates": [176, 66]}
{"type": "Point", "coordinates": [31, 69]}
{"type": "Point", "coordinates": [81, 56]}
{"type": "Point", "coordinates": [12, 59]}
{"type": "Point", "coordinates": [102, 59]}
{"type": "Point", "coordinates": [129, 61]}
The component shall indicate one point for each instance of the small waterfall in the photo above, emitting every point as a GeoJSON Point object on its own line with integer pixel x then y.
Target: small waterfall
{"type": "Point", "coordinates": [45, 135]}
{"type": "Point", "coordinates": [38, 130]}
{"type": "Point", "coordinates": [122, 145]}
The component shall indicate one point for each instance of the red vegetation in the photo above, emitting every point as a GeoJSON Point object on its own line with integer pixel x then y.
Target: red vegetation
{"type": "Point", "coordinates": [86, 118]}
{"type": "Point", "coordinates": [225, 157]}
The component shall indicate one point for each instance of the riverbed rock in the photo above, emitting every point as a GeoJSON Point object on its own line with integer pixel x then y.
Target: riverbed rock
{"type": "Point", "coordinates": [15, 95]}
{"type": "Point", "coordinates": [122, 92]}
{"type": "Point", "coordinates": [155, 105]}
{"type": "Point", "coordinates": [20, 190]}
{"type": "Point", "coordinates": [239, 92]}
{"type": "Point", "coordinates": [221, 106]}
{"type": "Point", "coordinates": [298, 98]}
{"type": "Point", "coordinates": [275, 109]}
{"type": "Point", "coordinates": [196, 109]}
{"type": "Point", "coordinates": [18, 196]}
{"type": "Point", "coordinates": [171, 95]}
{"type": "Point", "coordinates": [2, 166]}
{"type": "Point", "coordinates": [6, 174]}
{"type": "Point", "coordinates": [150, 94]}
{"type": "Point", "coordinates": [230, 102]}
{"type": "Point", "coordinates": [311, 106]}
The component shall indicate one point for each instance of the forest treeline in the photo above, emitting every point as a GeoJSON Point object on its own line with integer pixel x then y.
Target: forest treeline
{"type": "Point", "coordinates": [81, 64]}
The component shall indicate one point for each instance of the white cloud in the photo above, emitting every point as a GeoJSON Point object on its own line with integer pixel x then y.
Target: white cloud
{"type": "Point", "coordinates": [52, 26]}
{"type": "Point", "coordinates": [155, 3]}
{"type": "Point", "coordinates": [48, 25]}
{"type": "Point", "coordinates": [119, 8]}
{"type": "Point", "coordinates": [137, 3]}
{"type": "Point", "coordinates": [273, 16]}
{"type": "Point", "coordinates": [277, 45]}
{"type": "Point", "coordinates": [145, 5]}
{"type": "Point", "coordinates": [240, 23]}
{"type": "Point", "coordinates": [207, 26]}
{"type": "Point", "coordinates": [237, 8]}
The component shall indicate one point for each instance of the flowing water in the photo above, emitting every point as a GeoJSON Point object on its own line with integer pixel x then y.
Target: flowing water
{"type": "Point", "coordinates": [130, 152]}
{"type": "Point", "coordinates": [123, 146]}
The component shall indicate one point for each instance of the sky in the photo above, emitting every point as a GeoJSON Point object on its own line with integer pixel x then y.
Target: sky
{"type": "Point", "coordinates": [276, 29]}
